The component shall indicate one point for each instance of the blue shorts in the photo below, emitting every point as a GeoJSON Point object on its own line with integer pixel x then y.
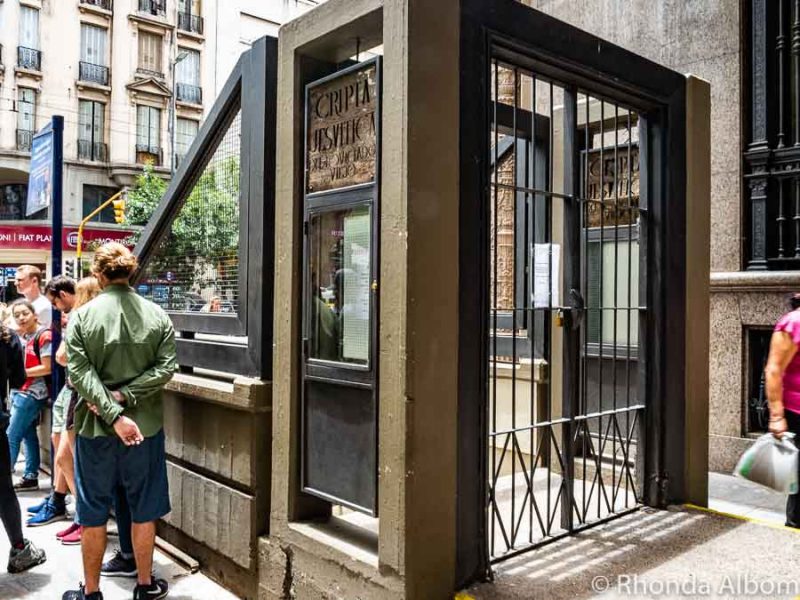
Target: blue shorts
{"type": "Point", "coordinates": [103, 463]}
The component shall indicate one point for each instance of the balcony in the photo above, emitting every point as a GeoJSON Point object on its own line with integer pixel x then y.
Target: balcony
{"type": "Point", "coordinates": [94, 73]}
{"type": "Point", "coordinates": [24, 139]}
{"type": "Point", "coordinates": [143, 72]}
{"type": "Point", "coordinates": [89, 150]}
{"type": "Point", "coordinates": [104, 4]}
{"type": "Point", "coordinates": [185, 92]}
{"type": "Point", "coordinates": [146, 153]}
{"type": "Point", "coordinates": [155, 8]}
{"type": "Point", "coordinates": [29, 58]}
{"type": "Point", "coordinates": [191, 23]}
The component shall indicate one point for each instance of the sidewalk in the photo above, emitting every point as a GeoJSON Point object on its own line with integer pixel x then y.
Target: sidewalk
{"type": "Point", "coordinates": [680, 552]}
{"type": "Point", "coordinates": [63, 569]}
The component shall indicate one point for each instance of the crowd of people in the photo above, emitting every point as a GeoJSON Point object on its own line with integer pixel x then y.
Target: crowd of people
{"type": "Point", "coordinates": [118, 351]}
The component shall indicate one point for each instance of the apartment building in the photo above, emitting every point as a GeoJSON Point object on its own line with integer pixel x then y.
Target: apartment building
{"type": "Point", "coordinates": [112, 69]}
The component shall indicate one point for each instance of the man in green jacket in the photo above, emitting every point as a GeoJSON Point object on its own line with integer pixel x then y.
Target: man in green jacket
{"type": "Point", "coordinates": [121, 353]}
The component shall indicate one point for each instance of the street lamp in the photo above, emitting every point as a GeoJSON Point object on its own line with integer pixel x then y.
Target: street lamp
{"type": "Point", "coordinates": [172, 118]}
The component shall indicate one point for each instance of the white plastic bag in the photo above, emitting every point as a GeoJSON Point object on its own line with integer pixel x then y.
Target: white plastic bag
{"type": "Point", "coordinates": [771, 462]}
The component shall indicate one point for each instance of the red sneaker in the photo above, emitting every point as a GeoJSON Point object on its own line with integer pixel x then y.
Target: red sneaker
{"type": "Point", "coordinates": [73, 539]}
{"type": "Point", "coordinates": [71, 529]}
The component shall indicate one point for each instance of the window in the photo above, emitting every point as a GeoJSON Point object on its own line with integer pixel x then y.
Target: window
{"type": "Point", "coordinates": [188, 70]}
{"type": "Point", "coordinates": [148, 133]}
{"type": "Point", "coordinates": [93, 44]}
{"type": "Point", "coordinates": [91, 130]}
{"type": "Point", "coordinates": [26, 118]}
{"type": "Point", "coordinates": [772, 137]}
{"type": "Point", "coordinates": [189, 18]}
{"type": "Point", "coordinates": [13, 197]}
{"type": "Point", "coordinates": [29, 27]}
{"type": "Point", "coordinates": [150, 54]}
{"type": "Point", "coordinates": [185, 132]}
{"type": "Point", "coordinates": [187, 77]}
{"type": "Point", "coordinates": [94, 196]}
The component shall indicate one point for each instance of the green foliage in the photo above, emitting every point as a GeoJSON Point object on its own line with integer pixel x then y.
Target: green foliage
{"type": "Point", "coordinates": [206, 231]}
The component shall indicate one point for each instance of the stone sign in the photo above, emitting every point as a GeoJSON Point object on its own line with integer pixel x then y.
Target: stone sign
{"type": "Point", "coordinates": [616, 185]}
{"type": "Point", "coordinates": [341, 139]}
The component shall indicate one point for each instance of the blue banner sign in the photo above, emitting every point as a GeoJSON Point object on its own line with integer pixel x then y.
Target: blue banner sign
{"type": "Point", "coordinates": [40, 180]}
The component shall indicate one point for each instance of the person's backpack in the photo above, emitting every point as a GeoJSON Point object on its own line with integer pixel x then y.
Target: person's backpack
{"type": "Point", "coordinates": [48, 379]}
{"type": "Point", "coordinates": [15, 366]}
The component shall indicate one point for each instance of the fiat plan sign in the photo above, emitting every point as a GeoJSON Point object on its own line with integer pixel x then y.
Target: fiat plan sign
{"type": "Point", "coordinates": [40, 237]}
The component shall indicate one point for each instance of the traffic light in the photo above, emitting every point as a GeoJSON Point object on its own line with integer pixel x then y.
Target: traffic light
{"type": "Point", "coordinates": [119, 210]}
{"type": "Point", "coordinates": [69, 268]}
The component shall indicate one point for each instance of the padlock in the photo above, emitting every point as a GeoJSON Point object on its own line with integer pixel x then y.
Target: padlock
{"type": "Point", "coordinates": [559, 318]}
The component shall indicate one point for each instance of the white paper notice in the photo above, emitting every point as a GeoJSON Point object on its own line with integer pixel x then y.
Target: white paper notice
{"type": "Point", "coordinates": [546, 261]}
{"type": "Point", "coordinates": [355, 311]}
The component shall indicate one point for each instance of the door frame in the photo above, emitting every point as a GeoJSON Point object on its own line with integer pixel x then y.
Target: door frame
{"type": "Point", "coordinates": [531, 39]}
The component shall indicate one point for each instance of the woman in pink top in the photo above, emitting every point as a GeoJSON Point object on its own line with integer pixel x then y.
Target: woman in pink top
{"type": "Point", "coordinates": [783, 387]}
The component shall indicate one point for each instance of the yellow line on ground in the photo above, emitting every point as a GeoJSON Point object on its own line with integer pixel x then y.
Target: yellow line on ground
{"type": "Point", "coordinates": [742, 518]}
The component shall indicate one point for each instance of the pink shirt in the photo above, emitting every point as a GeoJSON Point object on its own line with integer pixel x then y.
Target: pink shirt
{"type": "Point", "coordinates": [790, 323]}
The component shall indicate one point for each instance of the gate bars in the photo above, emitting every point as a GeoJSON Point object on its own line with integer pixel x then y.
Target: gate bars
{"type": "Point", "coordinates": [533, 457]}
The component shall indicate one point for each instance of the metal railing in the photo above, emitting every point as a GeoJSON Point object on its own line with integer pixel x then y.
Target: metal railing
{"type": "Point", "coordinates": [149, 73]}
{"type": "Point", "coordinates": [104, 4]}
{"type": "Point", "coordinates": [94, 73]}
{"type": "Point", "coordinates": [185, 92]}
{"type": "Point", "coordinates": [29, 58]}
{"type": "Point", "coordinates": [24, 139]}
{"type": "Point", "coordinates": [188, 22]}
{"type": "Point", "coordinates": [153, 7]}
{"type": "Point", "coordinates": [89, 150]}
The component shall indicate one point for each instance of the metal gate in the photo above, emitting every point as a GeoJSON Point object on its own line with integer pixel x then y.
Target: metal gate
{"type": "Point", "coordinates": [568, 267]}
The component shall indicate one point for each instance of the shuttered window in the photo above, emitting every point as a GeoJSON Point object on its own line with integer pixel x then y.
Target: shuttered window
{"type": "Point", "coordinates": [26, 109]}
{"type": "Point", "coordinates": [91, 119]}
{"type": "Point", "coordinates": [185, 132]}
{"type": "Point", "coordinates": [148, 127]}
{"type": "Point", "coordinates": [93, 44]}
{"type": "Point", "coordinates": [150, 52]}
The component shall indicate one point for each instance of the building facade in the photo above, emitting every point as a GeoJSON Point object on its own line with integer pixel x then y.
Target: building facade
{"type": "Point", "coordinates": [111, 69]}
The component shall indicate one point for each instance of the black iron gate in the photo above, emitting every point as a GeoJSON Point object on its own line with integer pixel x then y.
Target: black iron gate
{"type": "Point", "coordinates": [567, 264]}
{"type": "Point", "coordinates": [572, 246]}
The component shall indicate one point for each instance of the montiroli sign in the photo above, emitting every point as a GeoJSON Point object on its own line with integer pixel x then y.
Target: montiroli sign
{"type": "Point", "coordinates": [341, 138]}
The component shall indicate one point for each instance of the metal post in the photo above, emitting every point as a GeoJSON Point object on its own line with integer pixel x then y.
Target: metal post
{"type": "Point", "coordinates": [56, 211]}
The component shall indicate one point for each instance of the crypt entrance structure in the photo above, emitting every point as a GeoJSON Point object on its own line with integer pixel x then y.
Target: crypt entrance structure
{"type": "Point", "coordinates": [473, 300]}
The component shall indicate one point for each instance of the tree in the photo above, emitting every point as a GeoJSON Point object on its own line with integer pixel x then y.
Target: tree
{"type": "Point", "coordinates": [203, 240]}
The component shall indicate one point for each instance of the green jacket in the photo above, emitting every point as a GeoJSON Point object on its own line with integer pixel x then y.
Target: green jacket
{"type": "Point", "coordinates": [120, 341]}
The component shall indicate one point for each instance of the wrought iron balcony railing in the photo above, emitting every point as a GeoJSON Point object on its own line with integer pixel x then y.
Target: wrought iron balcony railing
{"type": "Point", "coordinates": [94, 73]}
{"type": "Point", "coordinates": [149, 73]}
{"type": "Point", "coordinates": [89, 150]}
{"type": "Point", "coordinates": [29, 58]}
{"type": "Point", "coordinates": [104, 4]}
{"type": "Point", "coordinates": [24, 139]}
{"type": "Point", "coordinates": [185, 92]}
{"type": "Point", "coordinates": [156, 8]}
{"type": "Point", "coordinates": [193, 23]}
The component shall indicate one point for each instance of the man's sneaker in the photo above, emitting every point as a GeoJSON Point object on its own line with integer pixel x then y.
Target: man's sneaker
{"type": "Point", "coordinates": [72, 539]}
{"type": "Point", "coordinates": [119, 566]}
{"type": "Point", "coordinates": [27, 485]}
{"type": "Point", "coordinates": [72, 528]}
{"type": "Point", "coordinates": [49, 514]}
{"type": "Point", "coordinates": [37, 507]}
{"type": "Point", "coordinates": [158, 588]}
{"type": "Point", "coordinates": [80, 594]}
{"type": "Point", "coordinates": [29, 556]}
